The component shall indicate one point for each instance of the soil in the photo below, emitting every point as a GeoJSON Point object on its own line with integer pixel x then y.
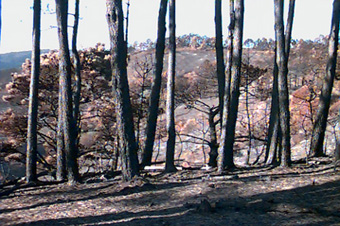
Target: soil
{"type": "Point", "coordinates": [305, 194]}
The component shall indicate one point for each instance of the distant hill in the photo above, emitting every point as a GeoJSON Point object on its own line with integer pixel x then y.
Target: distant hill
{"type": "Point", "coordinates": [15, 59]}
{"type": "Point", "coordinates": [11, 62]}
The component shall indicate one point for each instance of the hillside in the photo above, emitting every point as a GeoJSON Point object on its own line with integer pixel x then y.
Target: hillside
{"type": "Point", "coordinates": [15, 59]}
{"type": "Point", "coordinates": [196, 93]}
{"type": "Point", "coordinates": [251, 194]}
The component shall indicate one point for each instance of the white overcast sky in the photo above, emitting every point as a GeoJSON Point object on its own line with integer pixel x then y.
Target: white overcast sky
{"type": "Point", "coordinates": [312, 18]}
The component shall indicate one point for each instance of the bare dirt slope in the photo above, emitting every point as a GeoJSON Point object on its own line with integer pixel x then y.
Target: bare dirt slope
{"type": "Point", "coordinates": [306, 194]}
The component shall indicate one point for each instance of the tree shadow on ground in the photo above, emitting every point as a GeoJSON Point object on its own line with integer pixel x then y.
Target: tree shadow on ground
{"type": "Point", "coordinates": [274, 172]}
{"type": "Point", "coordinates": [95, 193]}
{"type": "Point", "coordinates": [308, 205]}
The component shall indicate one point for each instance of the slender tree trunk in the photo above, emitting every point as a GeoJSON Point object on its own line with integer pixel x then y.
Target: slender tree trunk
{"type": "Point", "coordinates": [170, 102]}
{"type": "Point", "coordinates": [318, 134]}
{"type": "Point", "coordinates": [66, 92]}
{"type": "Point", "coordinates": [282, 62]}
{"type": "Point", "coordinates": [128, 146]}
{"type": "Point", "coordinates": [77, 76]}
{"type": "Point", "coordinates": [226, 104]}
{"type": "Point", "coordinates": [274, 131]}
{"type": "Point", "coordinates": [213, 154]}
{"type": "Point", "coordinates": [127, 23]}
{"type": "Point", "coordinates": [219, 54]}
{"type": "Point", "coordinates": [226, 151]}
{"type": "Point", "coordinates": [31, 161]}
{"type": "Point", "coordinates": [61, 158]}
{"type": "Point", "coordinates": [156, 86]}
{"type": "Point", "coordinates": [289, 28]}
{"type": "Point", "coordinates": [274, 126]}
{"type": "Point", "coordinates": [231, 27]}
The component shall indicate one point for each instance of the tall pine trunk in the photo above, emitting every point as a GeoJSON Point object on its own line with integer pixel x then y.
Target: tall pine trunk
{"type": "Point", "coordinates": [221, 78]}
{"type": "Point", "coordinates": [127, 144]}
{"type": "Point", "coordinates": [61, 157]}
{"type": "Point", "coordinates": [318, 134]}
{"type": "Point", "coordinates": [289, 28]}
{"type": "Point", "coordinates": [156, 86]}
{"type": "Point", "coordinates": [77, 76]}
{"type": "Point", "coordinates": [31, 161]}
{"type": "Point", "coordinates": [66, 106]}
{"type": "Point", "coordinates": [274, 131]}
{"type": "Point", "coordinates": [170, 102]}
{"type": "Point", "coordinates": [282, 63]}
{"type": "Point", "coordinates": [274, 125]}
{"type": "Point", "coordinates": [219, 54]}
{"type": "Point", "coordinates": [226, 152]}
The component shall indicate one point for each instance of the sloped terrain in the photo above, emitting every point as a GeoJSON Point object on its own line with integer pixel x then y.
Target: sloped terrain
{"type": "Point", "coordinates": [305, 194]}
{"type": "Point", "coordinates": [195, 76]}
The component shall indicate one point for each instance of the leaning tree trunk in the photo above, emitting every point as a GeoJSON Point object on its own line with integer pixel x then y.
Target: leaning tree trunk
{"type": "Point", "coordinates": [226, 152]}
{"type": "Point", "coordinates": [31, 161]}
{"type": "Point", "coordinates": [128, 146]}
{"type": "Point", "coordinates": [77, 76]}
{"type": "Point", "coordinates": [68, 124]}
{"type": "Point", "coordinates": [219, 54]}
{"type": "Point", "coordinates": [320, 125]}
{"type": "Point", "coordinates": [282, 62]}
{"type": "Point", "coordinates": [170, 102]}
{"type": "Point", "coordinates": [156, 86]}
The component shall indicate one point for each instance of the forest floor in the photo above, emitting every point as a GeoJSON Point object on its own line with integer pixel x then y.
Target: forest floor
{"type": "Point", "coordinates": [305, 194]}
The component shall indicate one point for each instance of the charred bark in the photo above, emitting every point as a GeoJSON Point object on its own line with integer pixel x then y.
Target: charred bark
{"type": "Point", "coordinates": [170, 102]}
{"type": "Point", "coordinates": [282, 62]}
{"type": "Point", "coordinates": [156, 86]}
{"type": "Point", "coordinates": [31, 155]}
{"type": "Point", "coordinates": [271, 156]}
{"type": "Point", "coordinates": [226, 152]}
{"type": "Point", "coordinates": [273, 150]}
{"type": "Point", "coordinates": [66, 107]}
{"type": "Point", "coordinates": [318, 134]}
{"type": "Point", "coordinates": [77, 75]}
{"type": "Point", "coordinates": [128, 146]}
{"type": "Point", "coordinates": [219, 54]}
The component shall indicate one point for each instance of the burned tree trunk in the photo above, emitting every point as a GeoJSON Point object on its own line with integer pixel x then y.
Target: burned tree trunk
{"type": "Point", "coordinates": [156, 86]}
{"type": "Point", "coordinates": [31, 161]}
{"type": "Point", "coordinates": [127, 143]}
{"type": "Point", "coordinates": [273, 138]}
{"type": "Point", "coordinates": [226, 152]}
{"type": "Point", "coordinates": [282, 63]}
{"type": "Point", "coordinates": [274, 131]}
{"type": "Point", "coordinates": [77, 66]}
{"type": "Point", "coordinates": [68, 123]}
{"type": "Point", "coordinates": [170, 102]}
{"type": "Point", "coordinates": [320, 125]}
{"type": "Point", "coordinates": [213, 154]}
{"type": "Point", "coordinates": [219, 53]}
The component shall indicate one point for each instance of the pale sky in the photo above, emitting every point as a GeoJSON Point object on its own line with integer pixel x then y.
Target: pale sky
{"type": "Point", "coordinates": [312, 18]}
